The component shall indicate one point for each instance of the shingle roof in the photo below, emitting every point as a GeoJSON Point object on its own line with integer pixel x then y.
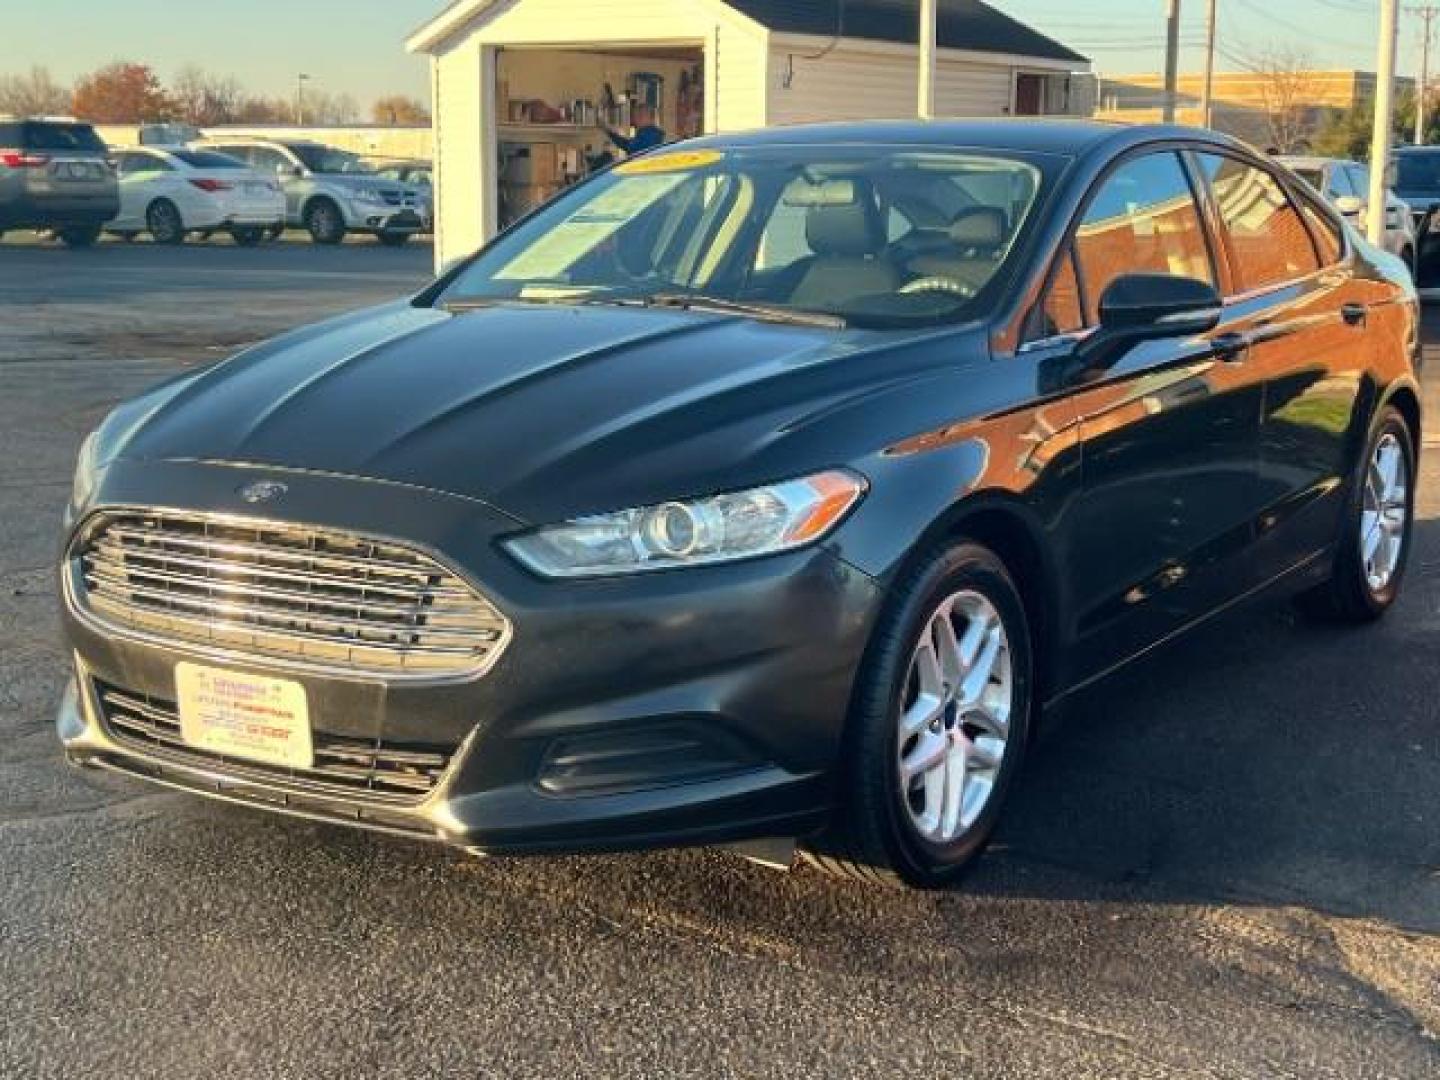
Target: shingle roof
{"type": "Point", "coordinates": [962, 24]}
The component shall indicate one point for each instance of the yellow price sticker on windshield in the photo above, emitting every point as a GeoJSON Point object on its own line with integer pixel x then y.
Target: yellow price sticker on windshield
{"type": "Point", "coordinates": [680, 161]}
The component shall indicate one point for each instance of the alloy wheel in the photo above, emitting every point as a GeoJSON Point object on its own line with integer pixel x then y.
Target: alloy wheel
{"type": "Point", "coordinates": [1384, 514]}
{"type": "Point", "coordinates": [954, 717]}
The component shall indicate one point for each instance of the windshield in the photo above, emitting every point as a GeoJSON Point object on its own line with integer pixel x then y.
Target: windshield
{"type": "Point", "coordinates": [878, 236]}
{"type": "Point", "coordinates": [1417, 171]}
{"type": "Point", "coordinates": [324, 159]}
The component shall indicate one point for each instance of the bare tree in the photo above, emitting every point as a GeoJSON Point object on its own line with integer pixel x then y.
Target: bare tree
{"type": "Point", "coordinates": [397, 109]}
{"type": "Point", "coordinates": [1287, 97]}
{"type": "Point", "coordinates": [33, 94]}
{"type": "Point", "coordinates": [204, 99]}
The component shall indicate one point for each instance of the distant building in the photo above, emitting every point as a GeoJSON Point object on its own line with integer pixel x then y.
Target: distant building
{"type": "Point", "coordinates": [1242, 100]}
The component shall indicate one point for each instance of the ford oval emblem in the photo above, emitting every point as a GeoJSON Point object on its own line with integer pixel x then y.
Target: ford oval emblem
{"type": "Point", "coordinates": [263, 491]}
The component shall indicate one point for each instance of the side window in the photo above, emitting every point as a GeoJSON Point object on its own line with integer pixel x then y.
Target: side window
{"type": "Point", "coordinates": [1339, 184]}
{"type": "Point", "coordinates": [1327, 234]}
{"type": "Point", "coordinates": [149, 163]}
{"type": "Point", "coordinates": [267, 160]}
{"type": "Point", "coordinates": [1061, 312]}
{"type": "Point", "coordinates": [1268, 239]}
{"type": "Point", "coordinates": [1359, 179]}
{"type": "Point", "coordinates": [125, 164]}
{"type": "Point", "coordinates": [1142, 219]}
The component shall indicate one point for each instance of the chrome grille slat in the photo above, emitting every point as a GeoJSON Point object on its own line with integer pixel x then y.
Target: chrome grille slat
{"type": "Point", "coordinates": [321, 598]}
{"type": "Point", "coordinates": [374, 769]}
{"type": "Point", "coordinates": [231, 609]}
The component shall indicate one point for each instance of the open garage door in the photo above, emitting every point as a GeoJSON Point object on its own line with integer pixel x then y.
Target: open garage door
{"type": "Point", "coordinates": [553, 107]}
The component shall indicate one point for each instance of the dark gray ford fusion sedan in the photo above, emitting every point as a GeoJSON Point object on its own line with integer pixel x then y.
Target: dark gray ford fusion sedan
{"type": "Point", "coordinates": [762, 490]}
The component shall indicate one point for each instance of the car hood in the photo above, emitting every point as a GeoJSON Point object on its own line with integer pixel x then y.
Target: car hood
{"type": "Point", "coordinates": [363, 182]}
{"type": "Point", "coordinates": [546, 411]}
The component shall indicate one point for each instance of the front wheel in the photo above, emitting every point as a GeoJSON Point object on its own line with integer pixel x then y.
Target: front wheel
{"type": "Point", "coordinates": [938, 726]}
{"type": "Point", "coordinates": [324, 222]}
{"type": "Point", "coordinates": [1374, 543]}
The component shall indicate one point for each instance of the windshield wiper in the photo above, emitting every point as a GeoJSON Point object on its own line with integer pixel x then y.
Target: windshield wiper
{"type": "Point", "coordinates": [754, 309]}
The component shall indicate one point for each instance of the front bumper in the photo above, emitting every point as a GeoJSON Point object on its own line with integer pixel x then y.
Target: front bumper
{"type": "Point", "coordinates": [382, 217]}
{"type": "Point", "coordinates": [690, 707]}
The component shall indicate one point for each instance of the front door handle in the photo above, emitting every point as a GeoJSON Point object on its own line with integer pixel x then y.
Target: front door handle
{"type": "Point", "coordinates": [1353, 314]}
{"type": "Point", "coordinates": [1231, 348]}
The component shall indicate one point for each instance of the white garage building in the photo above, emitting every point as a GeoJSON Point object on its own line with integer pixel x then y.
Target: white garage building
{"type": "Point", "coordinates": [518, 84]}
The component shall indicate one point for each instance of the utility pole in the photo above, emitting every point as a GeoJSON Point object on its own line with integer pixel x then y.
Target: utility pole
{"type": "Point", "coordinates": [1427, 13]}
{"type": "Point", "coordinates": [1384, 117]}
{"type": "Point", "coordinates": [300, 81]}
{"type": "Point", "coordinates": [1207, 106]}
{"type": "Point", "coordinates": [929, 12]}
{"type": "Point", "coordinates": [1172, 58]}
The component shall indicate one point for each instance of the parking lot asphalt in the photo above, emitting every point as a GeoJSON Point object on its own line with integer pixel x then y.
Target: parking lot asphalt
{"type": "Point", "coordinates": [1225, 862]}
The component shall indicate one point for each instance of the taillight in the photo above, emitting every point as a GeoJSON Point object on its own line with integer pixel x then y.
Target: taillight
{"type": "Point", "coordinates": [21, 159]}
{"type": "Point", "coordinates": [206, 184]}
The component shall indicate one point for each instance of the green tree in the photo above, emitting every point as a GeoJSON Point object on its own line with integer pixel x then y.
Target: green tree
{"type": "Point", "coordinates": [1347, 134]}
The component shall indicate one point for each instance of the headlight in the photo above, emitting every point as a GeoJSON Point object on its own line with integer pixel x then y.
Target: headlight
{"type": "Point", "coordinates": [87, 472]}
{"type": "Point", "coordinates": [693, 532]}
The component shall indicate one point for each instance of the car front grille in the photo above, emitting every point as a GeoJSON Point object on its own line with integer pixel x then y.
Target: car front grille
{"type": "Point", "coordinates": [326, 599]}
{"type": "Point", "coordinates": [358, 766]}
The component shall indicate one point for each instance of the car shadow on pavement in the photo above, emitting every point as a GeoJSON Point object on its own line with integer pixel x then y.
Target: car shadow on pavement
{"type": "Point", "coordinates": [1263, 758]}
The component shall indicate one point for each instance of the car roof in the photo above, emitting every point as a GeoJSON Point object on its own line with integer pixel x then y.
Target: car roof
{"type": "Point", "coordinates": [1053, 136]}
{"type": "Point", "coordinates": [1416, 150]}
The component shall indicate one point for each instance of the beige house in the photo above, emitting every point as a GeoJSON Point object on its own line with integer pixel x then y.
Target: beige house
{"type": "Point", "coordinates": [518, 84]}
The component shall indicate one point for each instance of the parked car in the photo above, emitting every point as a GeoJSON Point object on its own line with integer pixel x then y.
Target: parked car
{"type": "Point", "coordinates": [1346, 184]}
{"type": "Point", "coordinates": [417, 174]}
{"type": "Point", "coordinates": [54, 176]}
{"type": "Point", "coordinates": [765, 488]}
{"type": "Point", "coordinates": [331, 192]}
{"type": "Point", "coordinates": [169, 192]}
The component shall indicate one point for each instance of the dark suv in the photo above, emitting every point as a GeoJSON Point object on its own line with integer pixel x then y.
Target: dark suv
{"type": "Point", "coordinates": [54, 175]}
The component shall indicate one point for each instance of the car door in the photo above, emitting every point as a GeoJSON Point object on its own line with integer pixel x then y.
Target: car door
{"type": "Point", "coordinates": [1161, 528]}
{"type": "Point", "coordinates": [1304, 311]}
{"type": "Point", "coordinates": [274, 162]}
{"type": "Point", "coordinates": [132, 206]}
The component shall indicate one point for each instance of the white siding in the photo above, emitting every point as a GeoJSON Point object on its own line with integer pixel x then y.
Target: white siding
{"type": "Point", "coordinates": [858, 83]}
{"type": "Point", "coordinates": [459, 148]}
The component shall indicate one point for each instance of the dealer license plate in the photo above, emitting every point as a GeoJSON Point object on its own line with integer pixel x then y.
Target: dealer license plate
{"type": "Point", "coordinates": [244, 716]}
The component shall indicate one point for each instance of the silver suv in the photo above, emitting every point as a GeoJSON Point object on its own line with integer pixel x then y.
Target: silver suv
{"type": "Point", "coordinates": [55, 175]}
{"type": "Point", "coordinates": [331, 192]}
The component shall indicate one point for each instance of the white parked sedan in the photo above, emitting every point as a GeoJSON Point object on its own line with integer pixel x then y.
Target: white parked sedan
{"type": "Point", "coordinates": [169, 192]}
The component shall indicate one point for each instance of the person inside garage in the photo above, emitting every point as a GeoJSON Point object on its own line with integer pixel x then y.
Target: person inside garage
{"type": "Point", "coordinates": [648, 134]}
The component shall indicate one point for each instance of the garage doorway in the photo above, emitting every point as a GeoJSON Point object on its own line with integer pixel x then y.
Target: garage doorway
{"type": "Point", "coordinates": [551, 103]}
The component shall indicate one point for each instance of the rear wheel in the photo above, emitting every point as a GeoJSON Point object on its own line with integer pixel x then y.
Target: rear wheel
{"type": "Point", "coordinates": [79, 236]}
{"type": "Point", "coordinates": [324, 222]}
{"type": "Point", "coordinates": [938, 726]}
{"type": "Point", "coordinates": [165, 223]}
{"type": "Point", "coordinates": [247, 236]}
{"type": "Point", "coordinates": [1374, 543]}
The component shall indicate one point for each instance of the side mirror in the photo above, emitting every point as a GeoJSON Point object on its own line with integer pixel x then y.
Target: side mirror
{"type": "Point", "coordinates": [1350, 205]}
{"type": "Point", "coordinates": [1148, 307]}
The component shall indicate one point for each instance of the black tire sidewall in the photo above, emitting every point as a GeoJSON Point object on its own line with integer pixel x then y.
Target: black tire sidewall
{"type": "Point", "coordinates": [317, 212]}
{"type": "Point", "coordinates": [1352, 564]}
{"type": "Point", "coordinates": [964, 566]}
{"type": "Point", "coordinates": [157, 208]}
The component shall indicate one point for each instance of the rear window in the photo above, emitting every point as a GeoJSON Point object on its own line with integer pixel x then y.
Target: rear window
{"type": "Point", "coordinates": [44, 136]}
{"type": "Point", "coordinates": [207, 159]}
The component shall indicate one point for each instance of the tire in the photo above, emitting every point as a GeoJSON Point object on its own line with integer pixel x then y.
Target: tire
{"type": "Point", "coordinates": [163, 220]}
{"type": "Point", "coordinates": [884, 831]}
{"type": "Point", "coordinates": [393, 239]}
{"type": "Point", "coordinates": [79, 236]}
{"type": "Point", "coordinates": [248, 236]}
{"type": "Point", "coordinates": [1380, 510]}
{"type": "Point", "coordinates": [324, 222]}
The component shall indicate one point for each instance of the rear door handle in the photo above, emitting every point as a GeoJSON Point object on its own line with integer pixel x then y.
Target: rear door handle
{"type": "Point", "coordinates": [1231, 348]}
{"type": "Point", "coordinates": [1353, 314]}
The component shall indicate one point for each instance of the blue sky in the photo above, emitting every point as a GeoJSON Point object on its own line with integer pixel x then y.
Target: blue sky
{"type": "Point", "coordinates": [354, 46]}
